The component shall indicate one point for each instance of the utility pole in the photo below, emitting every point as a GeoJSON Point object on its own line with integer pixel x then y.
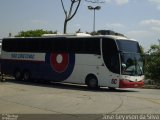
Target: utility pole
{"type": "Point", "coordinates": [94, 9]}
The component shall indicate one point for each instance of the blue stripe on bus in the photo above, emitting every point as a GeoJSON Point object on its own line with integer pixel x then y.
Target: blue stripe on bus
{"type": "Point", "coordinates": [40, 69]}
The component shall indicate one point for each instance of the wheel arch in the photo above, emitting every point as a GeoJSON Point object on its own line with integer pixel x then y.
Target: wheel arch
{"type": "Point", "coordinates": [89, 76]}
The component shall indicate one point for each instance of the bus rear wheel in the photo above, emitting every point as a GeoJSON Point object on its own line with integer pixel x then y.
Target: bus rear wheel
{"type": "Point", "coordinates": [26, 75]}
{"type": "Point", "coordinates": [18, 75]}
{"type": "Point", "coordinates": [92, 83]}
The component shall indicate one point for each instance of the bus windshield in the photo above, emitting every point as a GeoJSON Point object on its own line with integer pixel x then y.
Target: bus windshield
{"type": "Point", "coordinates": [131, 60]}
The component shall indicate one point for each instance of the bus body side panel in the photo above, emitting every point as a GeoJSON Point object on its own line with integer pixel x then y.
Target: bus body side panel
{"type": "Point", "coordinates": [12, 61]}
{"type": "Point", "coordinates": [9, 67]}
{"type": "Point", "coordinates": [108, 79]}
{"type": "Point", "coordinates": [59, 67]}
{"type": "Point", "coordinates": [85, 64]}
{"type": "Point", "coordinates": [50, 66]}
{"type": "Point", "coordinates": [93, 64]}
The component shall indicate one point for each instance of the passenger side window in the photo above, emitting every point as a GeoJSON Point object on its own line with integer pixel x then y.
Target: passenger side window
{"type": "Point", "coordinates": [110, 55]}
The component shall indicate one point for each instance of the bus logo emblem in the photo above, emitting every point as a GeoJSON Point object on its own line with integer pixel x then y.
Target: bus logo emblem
{"type": "Point", "coordinates": [59, 61]}
{"type": "Point", "coordinates": [60, 65]}
{"type": "Point", "coordinates": [114, 81]}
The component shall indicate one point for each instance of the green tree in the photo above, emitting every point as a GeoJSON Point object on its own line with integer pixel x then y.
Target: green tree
{"type": "Point", "coordinates": [142, 50]}
{"type": "Point", "coordinates": [34, 33]}
{"type": "Point", "coordinates": [152, 67]}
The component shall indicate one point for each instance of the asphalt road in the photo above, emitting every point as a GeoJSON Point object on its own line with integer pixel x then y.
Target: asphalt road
{"type": "Point", "coordinates": [55, 98]}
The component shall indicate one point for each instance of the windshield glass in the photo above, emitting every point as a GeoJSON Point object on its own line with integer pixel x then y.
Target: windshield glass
{"type": "Point", "coordinates": [131, 60]}
{"type": "Point", "coordinates": [132, 64]}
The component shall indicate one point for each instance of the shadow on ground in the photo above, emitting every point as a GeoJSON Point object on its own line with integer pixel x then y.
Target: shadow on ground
{"type": "Point", "coordinates": [67, 86]}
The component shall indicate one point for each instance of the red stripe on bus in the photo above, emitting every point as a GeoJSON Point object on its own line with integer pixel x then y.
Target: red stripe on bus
{"type": "Point", "coordinates": [130, 84]}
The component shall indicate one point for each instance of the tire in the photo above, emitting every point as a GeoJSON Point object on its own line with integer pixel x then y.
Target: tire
{"type": "Point", "coordinates": [26, 76]}
{"type": "Point", "coordinates": [18, 75]}
{"type": "Point", "coordinates": [111, 88]}
{"type": "Point", "coordinates": [1, 78]}
{"type": "Point", "coordinates": [92, 83]}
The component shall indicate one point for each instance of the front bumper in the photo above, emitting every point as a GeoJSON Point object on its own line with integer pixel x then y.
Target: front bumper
{"type": "Point", "coordinates": [131, 84]}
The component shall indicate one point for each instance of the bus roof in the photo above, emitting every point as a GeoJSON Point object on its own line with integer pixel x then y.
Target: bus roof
{"type": "Point", "coordinates": [117, 37]}
{"type": "Point", "coordinates": [87, 35]}
{"type": "Point", "coordinates": [77, 35]}
{"type": "Point", "coordinates": [65, 35]}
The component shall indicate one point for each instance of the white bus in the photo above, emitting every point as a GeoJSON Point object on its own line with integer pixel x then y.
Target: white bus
{"type": "Point", "coordinates": [97, 61]}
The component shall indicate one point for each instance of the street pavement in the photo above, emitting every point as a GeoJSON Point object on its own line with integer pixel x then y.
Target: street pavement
{"type": "Point", "coordinates": [56, 98]}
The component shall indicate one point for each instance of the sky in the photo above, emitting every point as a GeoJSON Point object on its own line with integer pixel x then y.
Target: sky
{"type": "Point", "coordinates": [137, 19]}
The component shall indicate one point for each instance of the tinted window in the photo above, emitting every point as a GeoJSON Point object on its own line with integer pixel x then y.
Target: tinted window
{"type": "Point", "coordinates": [92, 45]}
{"type": "Point", "coordinates": [110, 55]}
{"type": "Point", "coordinates": [76, 45]}
{"type": "Point", "coordinates": [33, 45]}
{"type": "Point", "coordinates": [128, 46]}
{"type": "Point", "coordinates": [59, 45]}
{"type": "Point", "coordinates": [84, 45]}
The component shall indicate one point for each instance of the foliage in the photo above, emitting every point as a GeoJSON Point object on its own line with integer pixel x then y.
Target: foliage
{"type": "Point", "coordinates": [34, 33]}
{"type": "Point", "coordinates": [142, 50]}
{"type": "Point", "coordinates": [152, 63]}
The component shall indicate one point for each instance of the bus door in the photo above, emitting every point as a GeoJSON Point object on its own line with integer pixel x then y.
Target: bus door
{"type": "Point", "coordinates": [111, 60]}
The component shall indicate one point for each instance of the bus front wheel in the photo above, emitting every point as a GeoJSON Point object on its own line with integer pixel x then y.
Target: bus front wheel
{"type": "Point", "coordinates": [92, 82]}
{"type": "Point", "coordinates": [111, 88]}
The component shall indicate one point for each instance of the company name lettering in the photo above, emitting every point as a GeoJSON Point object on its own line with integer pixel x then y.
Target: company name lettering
{"type": "Point", "coordinates": [23, 56]}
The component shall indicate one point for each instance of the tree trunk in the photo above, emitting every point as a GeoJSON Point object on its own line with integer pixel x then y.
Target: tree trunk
{"type": "Point", "coordinates": [70, 14]}
{"type": "Point", "coordinates": [65, 26]}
